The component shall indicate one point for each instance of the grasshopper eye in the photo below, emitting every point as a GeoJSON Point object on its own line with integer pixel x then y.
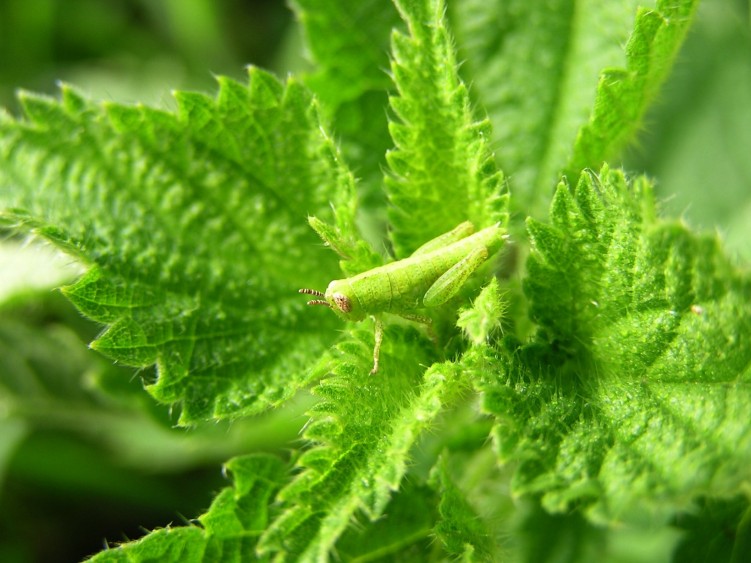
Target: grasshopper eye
{"type": "Point", "coordinates": [343, 302]}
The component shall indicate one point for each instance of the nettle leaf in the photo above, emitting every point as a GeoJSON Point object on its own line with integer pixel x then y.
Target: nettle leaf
{"type": "Point", "coordinates": [540, 72]}
{"type": "Point", "coordinates": [357, 255]}
{"type": "Point", "coordinates": [348, 41]}
{"type": "Point", "coordinates": [442, 169]}
{"type": "Point", "coordinates": [459, 529]}
{"type": "Point", "coordinates": [632, 397]}
{"type": "Point", "coordinates": [402, 534]}
{"type": "Point", "coordinates": [624, 94]}
{"type": "Point", "coordinates": [484, 317]}
{"type": "Point", "coordinates": [362, 433]}
{"type": "Point", "coordinates": [193, 227]}
{"type": "Point", "coordinates": [228, 531]}
{"type": "Point", "coordinates": [349, 44]}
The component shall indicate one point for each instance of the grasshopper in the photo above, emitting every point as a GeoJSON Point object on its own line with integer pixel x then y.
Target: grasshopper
{"type": "Point", "coordinates": [431, 276]}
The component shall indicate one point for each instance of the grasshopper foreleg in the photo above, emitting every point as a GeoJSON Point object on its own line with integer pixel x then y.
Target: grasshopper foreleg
{"type": "Point", "coordinates": [377, 346]}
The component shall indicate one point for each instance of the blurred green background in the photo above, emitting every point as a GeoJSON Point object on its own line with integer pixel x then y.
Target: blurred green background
{"type": "Point", "coordinates": [135, 50]}
{"type": "Point", "coordinates": [85, 455]}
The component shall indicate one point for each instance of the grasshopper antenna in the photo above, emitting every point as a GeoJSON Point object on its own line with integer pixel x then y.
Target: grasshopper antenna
{"type": "Point", "coordinates": [317, 294]}
{"type": "Point", "coordinates": [311, 292]}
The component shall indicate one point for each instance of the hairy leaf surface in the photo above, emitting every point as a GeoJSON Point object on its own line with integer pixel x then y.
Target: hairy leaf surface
{"type": "Point", "coordinates": [228, 531]}
{"type": "Point", "coordinates": [630, 399]}
{"type": "Point", "coordinates": [193, 227]}
{"type": "Point", "coordinates": [442, 169]}
{"type": "Point", "coordinates": [539, 72]}
{"type": "Point", "coordinates": [362, 434]}
{"type": "Point", "coordinates": [608, 351]}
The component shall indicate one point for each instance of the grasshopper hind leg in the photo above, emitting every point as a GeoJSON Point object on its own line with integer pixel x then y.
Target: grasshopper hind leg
{"type": "Point", "coordinates": [449, 284]}
{"type": "Point", "coordinates": [459, 232]}
{"type": "Point", "coordinates": [427, 321]}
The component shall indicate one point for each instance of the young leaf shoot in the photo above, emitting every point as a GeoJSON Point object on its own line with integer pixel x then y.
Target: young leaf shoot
{"type": "Point", "coordinates": [431, 276]}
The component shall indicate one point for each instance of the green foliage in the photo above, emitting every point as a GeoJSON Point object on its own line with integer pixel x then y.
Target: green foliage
{"type": "Point", "coordinates": [362, 436]}
{"type": "Point", "coordinates": [700, 126]}
{"type": "Point", "coordinates": [623, 94]}
{"type": "Point", "coordinates": [442, 168]}
{"type": "Point", "coordinates": [479, 321]}
{"type": "Point", "coordinates": [227, 532]}
{"type": "Point", "coordinates": [639, 372]}
{"type": "Point", "coordinates": [460, 530]}
{"type": "Point", "coordinates": [542, 75]}
{"type": "Point", "coordinates": [349, 44]}
{"type": "Point", "coordinates": [175, 201]}
{"type": "Point", "coordinates": [594, 390]}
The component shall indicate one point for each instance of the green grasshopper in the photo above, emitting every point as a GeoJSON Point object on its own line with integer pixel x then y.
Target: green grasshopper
{"type": "Point", "coordinates": [431, 276]}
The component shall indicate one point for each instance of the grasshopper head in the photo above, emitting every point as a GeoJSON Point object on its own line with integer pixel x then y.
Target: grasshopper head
{"type": "Point", "coordinates": [340, 298]}
{"type": "Point", "coordinates": [343, 301]}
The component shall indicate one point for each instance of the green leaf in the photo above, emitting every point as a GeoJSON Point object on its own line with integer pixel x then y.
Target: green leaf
{"type": "Point", "coordinates": [49, 380]}
{"type": "Point", "coordinates": [536, 73]}
{"type": "Point", "coordinates": [630, 399]}
{"type": "Point", "coordinates": [718, 530]}
{"type": "Point", "coordinates": [700, 128]}
{"type": "Point", "coordinates": [404, 534]}
{"type": "Point", "coordinates": [459, 528]}
{"type": "Point", "coordinates": [485, 315]}
{"type": "Point", "coordinates": [442, 168]}
{"type": "Point", "coordinates": [348, 43]}
{"type": "Point", "coordinates": [181, 218]}
{"type": "Point", "coordinates": [362, 433]}
{"type": "Point", "coordinates": [227, 532]}
{"type": "Point", "coordinates": [624, 94]}
{"type": "Point", "coordinates": [357, 255]}
{"type": "Point", "coordinates": [548, 538]}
